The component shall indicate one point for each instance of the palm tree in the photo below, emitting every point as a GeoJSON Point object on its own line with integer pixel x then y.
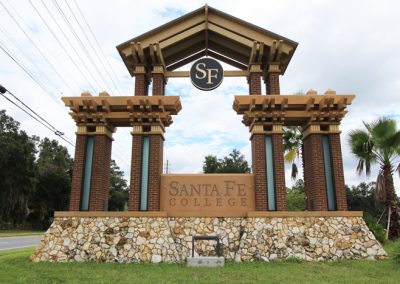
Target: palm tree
{"type": "Point", "coordinates": [292, 145]}
{"type": "Point", "coordinates": [380, 143]}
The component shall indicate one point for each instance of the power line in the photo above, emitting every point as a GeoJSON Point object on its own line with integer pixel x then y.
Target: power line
{"type": "Point", "coordinates": [70, 44]}
{"type": "Point", "coordinates": [62, 46]}
{"type": "Point", "coordinates": [80, 42]}
{"type": "Point", "coordinates": [35, 45]}
{"type": "Point", "coordinates": [44, 122]}
{"type": "Point", "coordinates": [95, 39]}
{"type": "Point", "coordinates": [94, 49]}
{"type": "Point", "coordinates": [26, 70]}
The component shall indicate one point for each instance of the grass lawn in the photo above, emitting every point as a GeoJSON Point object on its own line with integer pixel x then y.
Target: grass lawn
{"type": "Point", "coordinates": [18, 233]}
{"type": "Point", "coordinates": [15, 267]}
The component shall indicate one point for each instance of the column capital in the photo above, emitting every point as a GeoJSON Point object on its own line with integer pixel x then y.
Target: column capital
{"type": "Point", "coordinates": [266, 129]}
{"type": "Point", "coordinates": [320, 129]}
{"type": "Point", "coordinates": [95, 130]}
{"type": "Point", "coordinates": [148, 130]}
{"type": "Point", "coordinates": [274, 67]}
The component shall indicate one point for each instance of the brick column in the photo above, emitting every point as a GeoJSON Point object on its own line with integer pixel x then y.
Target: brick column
{"type": "Point", "coordinates": [314, 168]}
{"type": "Point", "coordinates": [136, 170]}
{"type": "Point", "coordinates": [254, 79]}
{"type": "Point", "coordinates": [272, 79]}
{"type": "Point", "coordinates": [279, 171]}
{"type": "Point", "coordinates": [314, 175]}
{"type": "Point", "coordinates": [155, 169]}
{"type": "Point", "coordinates": [259, 171]}
{"type": "Point", "coordinates": [155, 166]}
{"type": "Point", "coordinates": [338, 175]}
{"type": "Point", "coordinates": [158, 81]}
{"type": "Point", "coordinates": [141, 81]}
{"type": "Point", "coordinates": [100, 168]}
{"type": "Point", "coordinates": [100, 183]}
{"type": "Point", "coordinates": [77, 172]}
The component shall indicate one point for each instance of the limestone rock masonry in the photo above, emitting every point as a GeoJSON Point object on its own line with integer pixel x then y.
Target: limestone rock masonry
{"type": "Point", "coordinates": [169, 240]}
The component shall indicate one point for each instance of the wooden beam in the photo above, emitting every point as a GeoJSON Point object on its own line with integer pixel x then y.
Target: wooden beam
{"type": "Point", "coordinates": [253, 53]}
{"type": "Point", "coordinates": [140, 52]}
{"type": "Point", "coordinates": [227, 60]}
{"type": "Point", "coordinates": [260, 52]}
{"type": "Point", "coordinates": [272, 52]}
{"type": "Point", "coordinates": [233, 36]}
{"type": "Point", "coordinates": [227, 73]}
{"type": "Point", "coordinates": [182, 35]}
{"type": "Point", "coordinates": [279, 51]}
{"type": "Point", "coordinates": [134, 53]}
{"type": "Point", "coordinates": [186, 60]}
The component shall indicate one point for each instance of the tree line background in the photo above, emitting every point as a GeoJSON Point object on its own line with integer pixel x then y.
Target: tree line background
{"type": "Point", "coordinates": [35, 181]}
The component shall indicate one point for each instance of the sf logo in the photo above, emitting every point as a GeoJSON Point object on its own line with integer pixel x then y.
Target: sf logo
{"type": "Point", "coordinates": [206, 74]}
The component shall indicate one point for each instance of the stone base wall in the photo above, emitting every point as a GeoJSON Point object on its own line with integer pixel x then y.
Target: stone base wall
{"type": "Point", "coordinates": [169, 239]}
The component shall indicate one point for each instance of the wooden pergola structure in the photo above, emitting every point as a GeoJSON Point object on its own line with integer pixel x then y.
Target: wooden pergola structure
{"type": "Point", "coordinates": [255, 53]}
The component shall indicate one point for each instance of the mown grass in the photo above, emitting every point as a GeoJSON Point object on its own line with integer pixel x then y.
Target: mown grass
{"type": "Point", "coordinates": [18, 233]}
{"type": "Point", "coordinates": [15, 267]}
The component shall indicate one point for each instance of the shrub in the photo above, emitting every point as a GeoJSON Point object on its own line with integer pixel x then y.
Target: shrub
{"type": "Point", "coordinates": [377, 229]}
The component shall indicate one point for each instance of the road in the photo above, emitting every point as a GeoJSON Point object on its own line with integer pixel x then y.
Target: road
{"type": "Point", "coordinates": [19, 242]}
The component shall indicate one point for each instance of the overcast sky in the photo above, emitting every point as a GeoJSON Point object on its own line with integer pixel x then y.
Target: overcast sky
{"type": "Point", "coordinates": [352, 47]}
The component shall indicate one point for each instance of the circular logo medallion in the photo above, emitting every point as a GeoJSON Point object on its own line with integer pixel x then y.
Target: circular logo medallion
{"type": "Point", "coordinates": [206, 74]}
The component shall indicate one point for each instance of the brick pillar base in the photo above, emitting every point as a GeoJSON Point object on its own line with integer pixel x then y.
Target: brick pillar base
{"type": "Point", "coordinates": [259, 171]}
{"type": "Point", "coordinates": [100, 183]}
{"type": "Point", "coordinates": [314, 174]}
{"type": "Point", "coordinates": [136, 165]}
{"type": "Point", "coordinates": [338, 176]}
{"type": "Point", "coordinates": [155, 171]}
{"type": "Point", "coordinates": [77, 173]}
{"type": "Point", "coordinates": [279, 172]}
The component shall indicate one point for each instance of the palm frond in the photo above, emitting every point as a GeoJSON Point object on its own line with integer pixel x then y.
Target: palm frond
{"type": "Point", "coordinates": [368, 167]}
{"type": "Point", "coordinates": [291, 155]}
{"type": "Point", "coordinates": [381, 130]}
{"type": "Point", "coordinates": [379, 192]}
{"type": "Point", "coordinates": [398, 169]}
{"type": "Point", "coordinates": [295, 171]}
{"type": "Point", "coordinates": [360, 166]}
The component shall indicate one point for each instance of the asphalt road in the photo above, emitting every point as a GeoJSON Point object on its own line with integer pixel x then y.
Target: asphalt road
{"type": "Point", "coordinates": [19, 242]}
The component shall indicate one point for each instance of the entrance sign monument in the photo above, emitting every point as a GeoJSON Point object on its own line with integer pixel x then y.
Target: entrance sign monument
{"type": "Point", "coordinates": [247, 212]}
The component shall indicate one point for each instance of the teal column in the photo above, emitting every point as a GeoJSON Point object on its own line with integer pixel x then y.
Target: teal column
{"type": "Point", "coordinates": [330, 188]}
{"type": "Point", "coordinates": [144, 185]}
{"type": "Point", "coordinates": [87, 174]}
{"type": "Point", "coordinates": [269, 162]}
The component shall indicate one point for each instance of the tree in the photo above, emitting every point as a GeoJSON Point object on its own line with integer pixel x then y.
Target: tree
{"type": "Point", "coordinates": [119, 191]}
{"type": "Point", "coordinates": [380, 143]}
{"type": "Point", "coordinates": [295, 197]}
{"type": "Point", "coordinates": [233, 163]}
{"type": "Point", "coordinates": [17, 170]}
{"type": "Point", "coordinates": [53, 175]}
{"type": "Point", "coordinates": [292, 145]}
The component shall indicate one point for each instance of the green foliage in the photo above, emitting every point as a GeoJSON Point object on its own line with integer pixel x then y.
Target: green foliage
{"type": "Point", "coordinates": [295, 197]}
{"type": "Point", "coordinates": [361, 198]}
{"type": "Point", "coordinates": [380, 143]}
{"type": "Point", "coordinates": [53, 183]}
{"type": "Point", "coordinates": [35, 177]}
{"type": "Point", "coordinates": [377, 229]}
{"type": "Point", "coordinates": [119, 191]}
{"type": "Point", "coordinates": [17, 170]}
{"type": "Point", "coordinates": [233, 163]}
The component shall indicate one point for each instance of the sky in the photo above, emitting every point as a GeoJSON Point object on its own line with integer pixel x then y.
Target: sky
{"type": "Point", "coordinates": [351, 48]}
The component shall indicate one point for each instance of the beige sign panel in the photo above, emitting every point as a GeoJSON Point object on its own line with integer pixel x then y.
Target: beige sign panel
{"type": "Point", "coordinates": [216, 195]}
